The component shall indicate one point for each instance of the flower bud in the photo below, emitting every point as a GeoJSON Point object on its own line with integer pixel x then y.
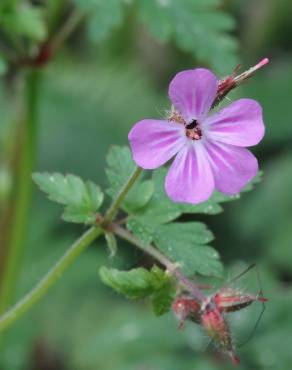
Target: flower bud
{"type": "Point", "coordinates": [186, 308]}
{"type": "Point", "coordinates": [230, 82]}
{"type": "Point", "coordinates": [217, 328]}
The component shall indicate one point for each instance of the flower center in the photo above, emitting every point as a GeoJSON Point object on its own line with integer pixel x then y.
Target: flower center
{"type": "Point", "coordinates": [193, 130]}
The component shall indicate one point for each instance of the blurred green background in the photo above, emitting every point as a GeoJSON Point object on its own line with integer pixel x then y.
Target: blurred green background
{"type": "Point", "coordinates": [114, 70]}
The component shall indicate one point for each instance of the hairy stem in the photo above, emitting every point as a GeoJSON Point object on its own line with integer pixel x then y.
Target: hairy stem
{"type": "Point", "coordinates": [111, 212]}
{"type": "Point", "coordinates": [156, 254]}
{"type": "Point", "coordinates": [52, 276]}
{"type": "Point", "coordinates": [68, 258]}
{"type": "Point", "coordinates": [149, 249]}
{"type": "Point", "coordinates": [14, 248]}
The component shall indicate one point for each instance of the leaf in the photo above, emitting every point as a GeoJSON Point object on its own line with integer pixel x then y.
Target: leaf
{"type": "Point", "coordinates": [185, 243]}
{"type": "Point", "coordinates": [104, 16]}
{"type": "Point", "coordinates": [25, 20]}
{"type": "Point", "coordinates": [196, 26]}
{"type": "Point", "coordinates": [143, 231]}
{"type": "Point", "coordinates": [120, 167]}
{"type": "Point", "coordinates": [140, 283]}
{"type": "Point", "coordinates": [163, 298]}
{"type": "Point", "coordinates": [82, 199]}
{"type": "Point", "coordinates": [136, 283]}
{"type": "Point", "coordinates": [161, 210]}
{"type": "Point", "coordinates": [140, 195]}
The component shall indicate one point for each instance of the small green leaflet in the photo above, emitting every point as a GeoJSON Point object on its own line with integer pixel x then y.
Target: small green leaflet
{"type": "Point", "coordinates": [140, 283]}
{"type": "Point", "coordinates": [82, 199]}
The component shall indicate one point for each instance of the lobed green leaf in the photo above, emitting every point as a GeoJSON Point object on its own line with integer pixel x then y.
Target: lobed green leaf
{"type": "Point", "coordinates": [140, 283]}
{"type": "Point", "coordinates": [196, 26]}
{"type": "Point", "coordinates": [185, 243]}
{"type": "Point", "coordinates": [82, 199]}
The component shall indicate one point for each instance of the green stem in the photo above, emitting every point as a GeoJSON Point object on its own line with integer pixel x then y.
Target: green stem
{"type": "Point", "coordinates": [111, 212]}
{"type": "Point", "coordinates": [23, 192]}
{"type": "Point", "coordinates": [149, 249]}
{"type": "Point", "coordinates": [68, 258]}
{"type": "Point", "coordinates": [52, 276]}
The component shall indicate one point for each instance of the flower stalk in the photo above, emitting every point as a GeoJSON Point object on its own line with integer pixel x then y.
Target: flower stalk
{"type": "Point", "coordinates": [113, 209]}
{"type": "Point", "coordinates": [66, 261]}
{"type": "Point", "coordinates": [14, 248]}
{"type": "Point", "coordinates": [80, 245]}
{"type": "Point", "coordinates": [50, 279]}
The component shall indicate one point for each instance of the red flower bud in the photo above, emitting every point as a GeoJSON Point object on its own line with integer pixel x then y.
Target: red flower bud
{"type": "Point", "coordinates": [186, 308]}
{"type": "Point", "coordinates": [217, 328]}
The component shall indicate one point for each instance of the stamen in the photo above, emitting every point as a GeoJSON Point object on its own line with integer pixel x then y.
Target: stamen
{"type": "Point", "coordinates": [175, 117]}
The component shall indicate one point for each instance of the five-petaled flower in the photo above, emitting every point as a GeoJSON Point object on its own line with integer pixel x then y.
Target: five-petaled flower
{"type": "Point", "coordinates": [210, 148]}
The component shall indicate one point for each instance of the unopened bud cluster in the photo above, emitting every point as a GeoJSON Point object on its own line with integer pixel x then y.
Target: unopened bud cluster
{"type": "Point", "coordinates": [211, 314]}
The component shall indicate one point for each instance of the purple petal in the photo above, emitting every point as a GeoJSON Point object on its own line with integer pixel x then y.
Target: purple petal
{"type": "Point", "coordinates": [240, 123]}
{"type": "Point", "coordinates": [190, 177]}
{"type": "Point", "coordinates": [233, 167]}
{"type": "Point", "coordinates": [154, 142]}
{"type": "Point", "coordinates": [192, 93]}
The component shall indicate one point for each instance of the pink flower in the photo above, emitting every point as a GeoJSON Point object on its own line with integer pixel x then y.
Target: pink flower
{"type": "Point", "coordinates": [209, 148]}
